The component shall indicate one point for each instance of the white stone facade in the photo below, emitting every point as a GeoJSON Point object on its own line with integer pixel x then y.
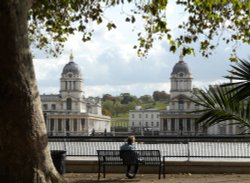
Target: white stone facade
{"type": "Point", "coordinates": [144, 121]}
{"type": "Point", "coordinates": [69, 113]}
{"type": "Point", "coordinates": [177, 119]}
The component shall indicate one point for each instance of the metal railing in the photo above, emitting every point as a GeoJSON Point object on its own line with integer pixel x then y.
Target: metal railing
{"type": "Point", "coordinates": [180, 149]}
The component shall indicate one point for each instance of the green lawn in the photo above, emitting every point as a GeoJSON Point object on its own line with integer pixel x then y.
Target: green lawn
{"type": "Point", "coordinates": [121, 116]}
{"type": "Point", "coordinates": [155, 105]}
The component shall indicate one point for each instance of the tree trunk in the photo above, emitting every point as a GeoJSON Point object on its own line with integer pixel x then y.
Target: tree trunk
{"type": "Point", "coordinates": [24, 152]}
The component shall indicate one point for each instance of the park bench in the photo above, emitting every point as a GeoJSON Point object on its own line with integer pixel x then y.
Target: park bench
{"type": "Point", "coordinates": [113, 158]}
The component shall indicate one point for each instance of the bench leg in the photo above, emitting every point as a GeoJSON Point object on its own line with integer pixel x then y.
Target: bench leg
{"type": "Point", "coordinates": [99, 172]}
{"type": "Point", "coordinates": [164, 171]}
{"type": "Point", "coordinates": [160, 171]}
{"type": "Point", "coordinates": [104, 171]}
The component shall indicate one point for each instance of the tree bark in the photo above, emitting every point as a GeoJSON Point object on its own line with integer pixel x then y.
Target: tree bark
{"type": "Point", "coordinates": [24, 152]}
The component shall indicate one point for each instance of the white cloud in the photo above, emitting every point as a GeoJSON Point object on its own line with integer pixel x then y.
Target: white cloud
{"type": "Point", "coordinates": [202, 84]}
{"type": "Point", "coordinates": [110, 65]}
{"type": "Point", "coordinates": [138, 89]}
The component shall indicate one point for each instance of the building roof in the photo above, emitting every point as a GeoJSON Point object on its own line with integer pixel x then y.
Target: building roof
{"type": "Point", "coordinates": [71, 67]}
{"type": "Point", "coordinates": [48, 98]}
{"type": "Point", "coordinates": [181, 66]}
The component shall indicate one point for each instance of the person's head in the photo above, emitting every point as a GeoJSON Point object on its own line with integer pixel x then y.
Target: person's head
{"type": "Point", "coordinates": [131, 139]}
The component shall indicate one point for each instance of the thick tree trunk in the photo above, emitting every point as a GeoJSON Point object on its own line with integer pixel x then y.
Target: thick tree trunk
{"type": "Point", "coordinates": [24, 152]}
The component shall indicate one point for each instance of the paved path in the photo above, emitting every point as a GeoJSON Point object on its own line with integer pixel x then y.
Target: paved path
{"type": "Point", "coordinates": [153, 178]}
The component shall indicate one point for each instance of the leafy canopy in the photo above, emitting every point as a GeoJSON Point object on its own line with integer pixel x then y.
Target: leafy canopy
{"type": "Point", "coordinates": [52, 21]}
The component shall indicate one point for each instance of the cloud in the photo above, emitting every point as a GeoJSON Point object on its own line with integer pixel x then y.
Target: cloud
{"type": "Point", "coordinates": [137, 89]}
{"type": "Point", "coordinates": [110, 65]}
{"type": "Point", "coordinates": [203, 84]}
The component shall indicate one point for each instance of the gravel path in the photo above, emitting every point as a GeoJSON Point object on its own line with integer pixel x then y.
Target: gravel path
{"type": "Point", "coordinates": [153, 178]}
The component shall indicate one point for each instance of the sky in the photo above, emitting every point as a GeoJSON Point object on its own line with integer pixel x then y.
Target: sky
{"type": "Point", "coordinates": [109, 64]}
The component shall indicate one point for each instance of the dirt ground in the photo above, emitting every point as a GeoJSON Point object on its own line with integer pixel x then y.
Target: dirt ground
{"type": "Point", "coordinates": [153, 178]}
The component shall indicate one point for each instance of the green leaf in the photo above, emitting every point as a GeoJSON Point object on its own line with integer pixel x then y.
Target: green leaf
{"type": "Point", "coordinates": [132, 19]}
{"type": "Point", "coordinates": [172, 48]}
{"type": "Point", "coordinates": [233, 59]}
{"type": "Point", "coordinates": [99, 20]}
{"type": "Point", "coordinates": [127, 19]}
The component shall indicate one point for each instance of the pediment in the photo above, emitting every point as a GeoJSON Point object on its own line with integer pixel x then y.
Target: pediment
{"type": "Point", "coordinates": [184, 97]}
{"type": "Point", "coordinates": [73, 98]}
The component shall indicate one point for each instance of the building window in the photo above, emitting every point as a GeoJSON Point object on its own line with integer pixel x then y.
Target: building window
{"type": "Point", "coordinates": [59, 124]}
{"type": "Point", "coordinates": [51, 124]}
{"type": "Point", "coordinates": [139, 123]}
{"type": "Point", "coordinates": [83, 124]}
{"type": "Point", "coordinates": [165, 124]}
{"type": "Point", "coordinates": [188, 124]}
{"type": "Point", "coordinates": [133, 123]}
{"type": "Point", "coordinates": [146, 115]}
{"type": "Point", "coordinates": [152, 115]}
{"type": "Point", "coordinates": [181, 104]}
{"type": "Point", "coordinates": [75, 125]}
{"type": "Point", "coordinates": [132, 116]}
{"type": "Point", "coordinates": [196, 106]}
{"type": "Point", "coordinates": [53, 106]}
{"type": "Point", "coordinates": [69, 103]}
{"type": "Point", "coordinates": [146, 123]}
{"type": "Point", "coordinates": [222, 129]}
{"type": "Point", "coordinates": [181, 124]}
{"type": "Point", "coordinates": [204, 129]}
{"type": "Point", "coordinates": [45, 107]}
{"type": "Point", "coordinates": [230, 129]}
{"type": "Point", "coordinates": [158, 115]}
{"type": "Point", "coordinates": [238, 129]}
{"type": "Point", "coordinates": [196, 126]}
{"type": "Point", "coordinates": [172, 124]}
{"type": "Point", "coordinates": [152, 123]}
{"type": "Point", "coordinates": [70, 85]}
{"type": "Point", "coordinates": [67, 125]}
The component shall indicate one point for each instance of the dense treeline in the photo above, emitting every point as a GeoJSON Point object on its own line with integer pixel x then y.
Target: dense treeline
{"type": "Point", "coordinates": [115, 105]}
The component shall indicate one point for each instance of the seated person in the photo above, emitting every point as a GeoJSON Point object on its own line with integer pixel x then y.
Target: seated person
{"type": "Point", "coordinates": [129, 156]}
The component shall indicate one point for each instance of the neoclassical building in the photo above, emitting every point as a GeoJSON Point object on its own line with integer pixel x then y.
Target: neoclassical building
{"type": "Point", "coordinates": [69, 112]}
{"type": "Point", "coordinates": [144, 121]}
{"type": "Point", "coordinates": [177, 119]}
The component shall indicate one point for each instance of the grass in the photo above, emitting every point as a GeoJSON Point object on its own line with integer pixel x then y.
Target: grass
{"type": "Point", "coordinates": [160, 105]}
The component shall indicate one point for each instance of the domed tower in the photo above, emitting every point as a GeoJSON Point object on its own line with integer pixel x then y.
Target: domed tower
{"type": "Point", "coordinates": [71, 80]}
{"type": "Point", "coordinates": [181, 79]}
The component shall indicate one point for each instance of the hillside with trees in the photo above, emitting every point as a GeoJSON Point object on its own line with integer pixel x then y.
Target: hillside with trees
{"type": "Point", "coordinates": [118, 107]}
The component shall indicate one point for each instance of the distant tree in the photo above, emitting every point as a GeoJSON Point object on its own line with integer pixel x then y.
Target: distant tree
{"type": "Point", "coordinates": [108, 107]}
{"type": "Point", "coordinates": [131, 106]}
{"type": "Point", "coordinates": [146, 98]}
{"type": "Point", "coordinates": [118, 108]}
{"type": "Point", "coordinates": [161, 96]}
{"type": "Point", "coordinates": [126, 98]}
{"type": "Point", "coordinates": [156, 95]}
{"type": "Point", "coordinates": [107, 97]}
{"type": "Point", "coordinates": [106, 112]}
